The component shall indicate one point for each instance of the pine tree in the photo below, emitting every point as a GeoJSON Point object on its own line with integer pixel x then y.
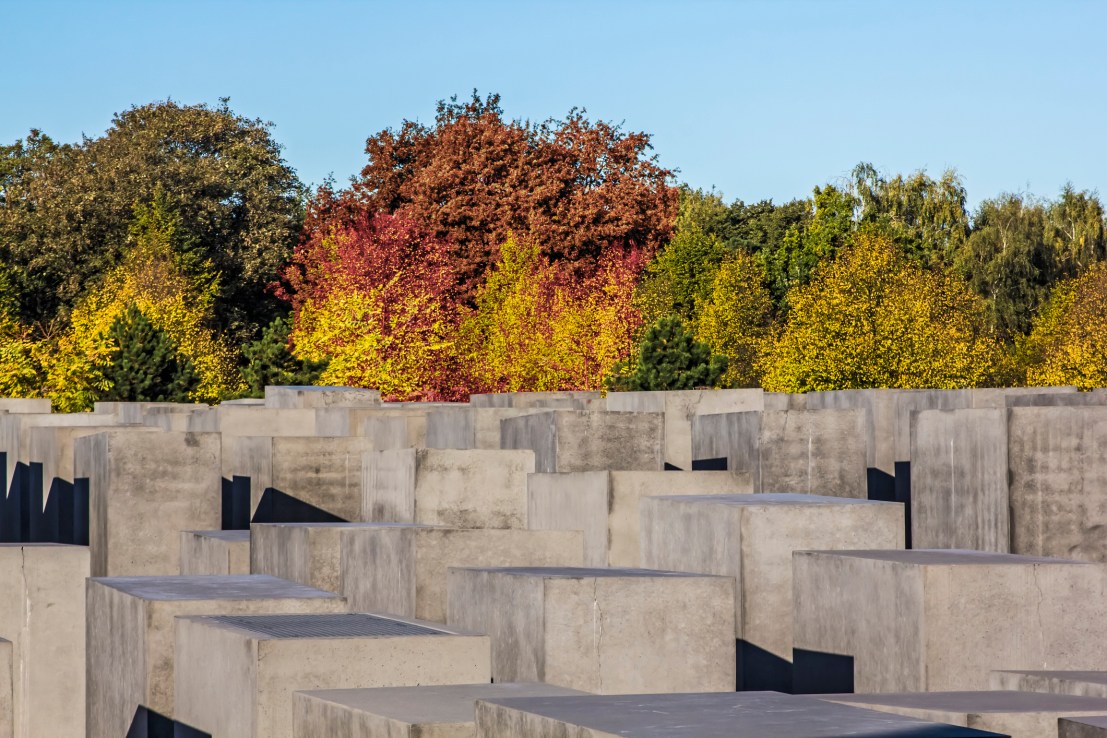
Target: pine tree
{"type": "Point", "coordinates": [269, 362]}
{"type": "Point", "coordinates": [670, 358]}
{"type": "Point", "coordinates": [145, 365]}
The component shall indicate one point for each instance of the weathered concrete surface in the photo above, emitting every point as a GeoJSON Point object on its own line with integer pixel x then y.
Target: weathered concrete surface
{"type": "Point", "coordinates": [605, 505]}
{"type": "Point", "coordinates": [308, 553]}
{"type": "Point", "coordinates": [130, 634]}
{"type": "Point", "coordinates": [317, 397]}
{"type": "Point", "coordinates": [324, 472]}
{"type": "Point", "coordinates": [609, 631]}
{"type": "Point", "coordinates": [938, 611]}
{"type": "Point", "coordinates": [239, 679]}
{"type": "Point", "coordinates": [469, 427]}
{"type": "Point", "coordinates": [52, 446]}
{"type": "Point", "coordinates": [810, 451]}
{"type": "Point", "coordinates": [215, 552]}
{"type": "Point", "coordinates": [1022, 714]}
{"type": "Point", "coordinates": [144, 489]}
{"type": "Point", "coordinates": [405, 712]}
{"type": "Point", "coordinates": [959, 480]}
{"type": "Point", "coordinates": [42, 605]}
{"type": "Point", "coordinates": [752, 538]}
{"type": "Point", "coordinates": [7, 693]}
{"type": "Point", "coordinates": [570, 441]}
{"type": "Point", "coordinates": [456, 488]}
{"type": "Point", "coordinates": [680, 407]}
{"type": "Point", "coordinates": [546, 400]}
{"type": "Point", "coordinates": [1082, 727]}
{"type": "Point", "coordinates": [1079, 683]}
{"type": "Point", "coordinates": [760, 714]}
{"type": "Point", "coordinates": [19, 405]}
{"type": "Point", "coordinates": [253, 420]}
{"type": "Point", "coordinates": [15, 433]}
{"type": "Point", "coordinates": [402, 569]}
{"type": "Point", "coordinates": [387, 426]}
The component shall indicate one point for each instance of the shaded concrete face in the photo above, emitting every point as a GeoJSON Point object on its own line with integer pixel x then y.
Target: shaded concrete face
{"type": "Point", "coordinates": [937, 611]}
{"type": "Point", "coordinates": [320, 397]}
{"type": "Point", "coordinates": [465, 427]}
{"type": "Point", "coordinates": [605, 505]}
{"type": "Point", "coordinates": [130, 634]}
{"type": "Point", "coordinates": [42, 608]}
{"type": "Point", "coordinates": [569, 441]}
{"type": "Point", "coordinates": [405, 712]}
{"type": "Point", "coordinates": [610, 631]}
{"type": "Point", "coordinates": [144, 489]}
{"type": "Point", "coordinates": [215, 552]}
{"type": "Point", "coordinates": [1082, 727]}
{"type": "Point", "coordinates": [959, 480]}
{"type": "Point", "coordinates": [232, 680]}
{"type": "Point", "coordinates": [455, 488]}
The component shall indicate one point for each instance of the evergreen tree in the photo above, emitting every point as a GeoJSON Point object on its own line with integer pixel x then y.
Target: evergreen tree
{"type": "Point", "coordinates": [269, 362]}
{"type": "Point", "coordinates": [671, 358]}
{"type": "Point", "coordinates": [145, 365]}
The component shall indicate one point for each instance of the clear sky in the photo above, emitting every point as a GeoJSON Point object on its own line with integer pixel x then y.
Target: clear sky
{"type": "Point", "coordinates": [758, 99]}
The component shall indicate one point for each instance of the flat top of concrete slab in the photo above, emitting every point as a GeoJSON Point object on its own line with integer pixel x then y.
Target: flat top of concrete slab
{"type": "Point", "coordinates": [1096, 721]}
{"type": "Point", "coordinates": [950, 557]}
{"type": "Point", "coordinates": [730, 715]}
{"type": "Point", "coordinates": [581, 572]}
{"type": "Point", "coordinates": [769, 498]}
{"type": "Point", "coordinates": [977, 702]}
{"type": "Point", "coordinates": [1094, 677]}
{"type": "Point", "coordinates": [323, 625]}
{"type": "Point", "coordinates": [223, 535]}
{"type": "Point", "coordinates": [425, 705]}
{"type": "Point", "coordinates": [217, 587]}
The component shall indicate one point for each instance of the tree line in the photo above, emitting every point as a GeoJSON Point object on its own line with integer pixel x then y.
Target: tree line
{"type": "Point", "coordinates": [179, 257]}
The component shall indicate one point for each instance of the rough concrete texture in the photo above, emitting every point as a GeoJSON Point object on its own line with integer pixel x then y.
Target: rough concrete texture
{"type": "Point", "coordinates": [324, 472]}
{"type": "Point", "coordinates": [760, 714]}
{"type": "Point", "coordinates": [52, 446]}
{"type": "Point", "coordinates": [959, 480]}
{"type": "Point", "coordinates": [405, 712]}
{"type": "Point", "coordinates": [308, 553]}
{"type": "Point", "coordinates": [608, 631]}
{"type": "Point", "coordinates": [387, 426]}
{"type": "Point", "coordinates": [1021, 714]}
{"type": "Point", "coordinates": [938, 610]}
{"type": "Point", "coordinates": [546, 400]}
{"type": "Point", "coordinates": [144, 489]}
{"type": "Point", "coordinates": [571, 441]}
{"type": "Point", "coordinates": [215, 552]}
{"type": "Point", "coordinates": [809, 451]}
{"type": "Point", "coordinates": [1082, 727]}
{"type": "Point", "coordinates": [605, 505]}
{"type": "Point", "coordinates": [254, 420]}
{"type": "Point", "coordinates": [20, 405]}
{"type": "Point", "coordinates": [469, 427]}
{"type": "Point", "coordinates": [238, 680]}
{"type": "Point", "coordinates": [15, 436]}
{"type": "Point", "coordinates": [402, 569]}
{"type": "Point", "coordinates": [752, 538]}
{"type": "Point", "coordinates": [680, 407]}
{"type": "Point", "coordinates": [130, 634]}
{"type": "Point", "coordinates": [42, 605]}
{"type": "Point", "coordinates": [1079, 683]}
{"type": "Point", "coordinates": [293, 397]}
{"type": "Point", "coordinates": [7, 694]}
{"type": "Point", "coordinates": [456, 488]}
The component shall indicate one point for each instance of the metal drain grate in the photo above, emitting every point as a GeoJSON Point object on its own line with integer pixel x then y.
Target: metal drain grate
{"type": "Point", "coordinates": [323, 626]}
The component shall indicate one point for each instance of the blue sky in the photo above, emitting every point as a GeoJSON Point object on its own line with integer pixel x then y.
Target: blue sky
{"type": "Point", "coordinates": [759, 99]}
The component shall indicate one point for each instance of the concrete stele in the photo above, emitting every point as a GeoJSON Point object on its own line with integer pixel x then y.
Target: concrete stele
{"type": "Point", "coordinates": [215, 552]}
{"type": "Point", "coordinates": [573, 441]}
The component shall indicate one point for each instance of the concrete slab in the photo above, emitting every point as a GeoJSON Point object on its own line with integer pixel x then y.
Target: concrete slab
{"type": "Point", "coordinates": [405, 712]}
{"type": "Point", "coordinates": [605, 505]}
{"type": "Point", "coordinates": [7, 694]}
{"type": "Point", "coordinates": [294, 397]}
{"type": "Point", "coordinates": [130, 634]}
{"type": "Point", "coordinates": [575, 441]}
{"type": "Point", "coordinates": [609, 631]}
{"type": "Point", "coordinates": [322, 471]}
{"type": "Point", "coordinates": [145, 488]}
{"type": "Point", "coordinates": [215, 552]}
{"type": "Point", "coordinates": [386, 426]}
{"type": "Point", "coordinates": [1080, 683]}
{"type": "Point", "coordinates": [42, 605]}
{"type": "Point", "coordinates": [752, 538]}
{"type": "Point", "coordinates": [1022, 714]}
{"type": "Point", "coordinates": [456, 488]}
{"type": "Point", "coordinates": [469, 427]}
{"type": "Point", "coordinates": [569, 400]}
{"type": "Point", "coordinates": [236, 675]}
{"type": "Point", "coordinates": [1083, 727]}
{"type": "Point", "coordinates": [925, 620]}
{"type": "Point", "coordinates": [29, 405]}
{"type": "Point", "coordinates": [735, 715]}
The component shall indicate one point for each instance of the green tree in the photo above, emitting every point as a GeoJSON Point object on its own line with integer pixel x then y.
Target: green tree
{"type": "Point", "coordinates": [144, 364]}
{"type": "Point", "coordinates": [736, 320]}
{"type": "Point", "coordinates": [817, 238]}
{"type": "Point", "coordinates": [670, 358]}
{"type": "Point", "coordinates": [1076, 231]}
{"type": "Point", "coordinates": [678, 281]}
{"type": "Point", "coordinates": [269, 361]}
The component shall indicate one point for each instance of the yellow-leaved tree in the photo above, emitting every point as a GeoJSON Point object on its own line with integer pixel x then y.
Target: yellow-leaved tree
{"type": "Point", "coordinates": [1068, 342]}
{"type": "Point", "coordinates": [736, 321]}
{"type": "Point", "coordinates": [173, 291]}
{"type": "Point", "coordinates": [872, 318]}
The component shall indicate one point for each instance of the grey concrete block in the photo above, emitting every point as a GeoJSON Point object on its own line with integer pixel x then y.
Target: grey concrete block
{"type": "Point", "coordinates": [7, 691]}
{"type": "Point", "coordinates": [569, 400]}
{"type": "Point", "coordinates": [130, 634]}
{"type": "Point", "coordinates": [236, 675]}
{"type": "Point", "coordinates": [570, 441]}
{"type": "Point", "coordinates": [761, 714]}
{"type": "Point", "coordinates": [1079, 683]}
{"type": "Point", "coordinates": [926, 620]}
{"type": "Point", "coordinates": [253, 420]}
{"type": "Point", "coordinates": [469, 427]}
{"type": "Point", "coordinates": [15, 432]}
{"type": "Point", "coordinates": [144, 489]}
{"type": "Point", "coordinates": [605, 505]}
{"type": "Point", "coordinates": [752, 538]}
{"type": "Point", "coordinates": [29, 405]}
{"type": "Point", "coordinates": [324, 472]}
{"type": "Point", "coordinates": [52, 446]}
{"type": "Point", "coordinates": [405, 712]}
{"type": "Point", "coordinates": [1022, 714]}
{"type": "Point", "coordinates": [215, 552]}
{"type": "Point", "coordinates": [608, 631]}
{"type": "Point", "coordinates": [293, 397]}
{"type": "Point", "coordinates": [387, 426]}
{"type": "Point", "coordinates": [456, 488]}
{"type": "Point", "coordinates": [1083, 727]}
{"type": "Point", "coordinates": [42, 605]}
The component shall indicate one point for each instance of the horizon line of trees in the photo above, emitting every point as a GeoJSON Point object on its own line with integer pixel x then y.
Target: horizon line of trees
{"type": "Point", "coordinates": [178, 257]}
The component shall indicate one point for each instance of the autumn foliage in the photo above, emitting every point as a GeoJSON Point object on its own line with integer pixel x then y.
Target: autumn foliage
{"type": "Point", "coordinates": [1068, 344]}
